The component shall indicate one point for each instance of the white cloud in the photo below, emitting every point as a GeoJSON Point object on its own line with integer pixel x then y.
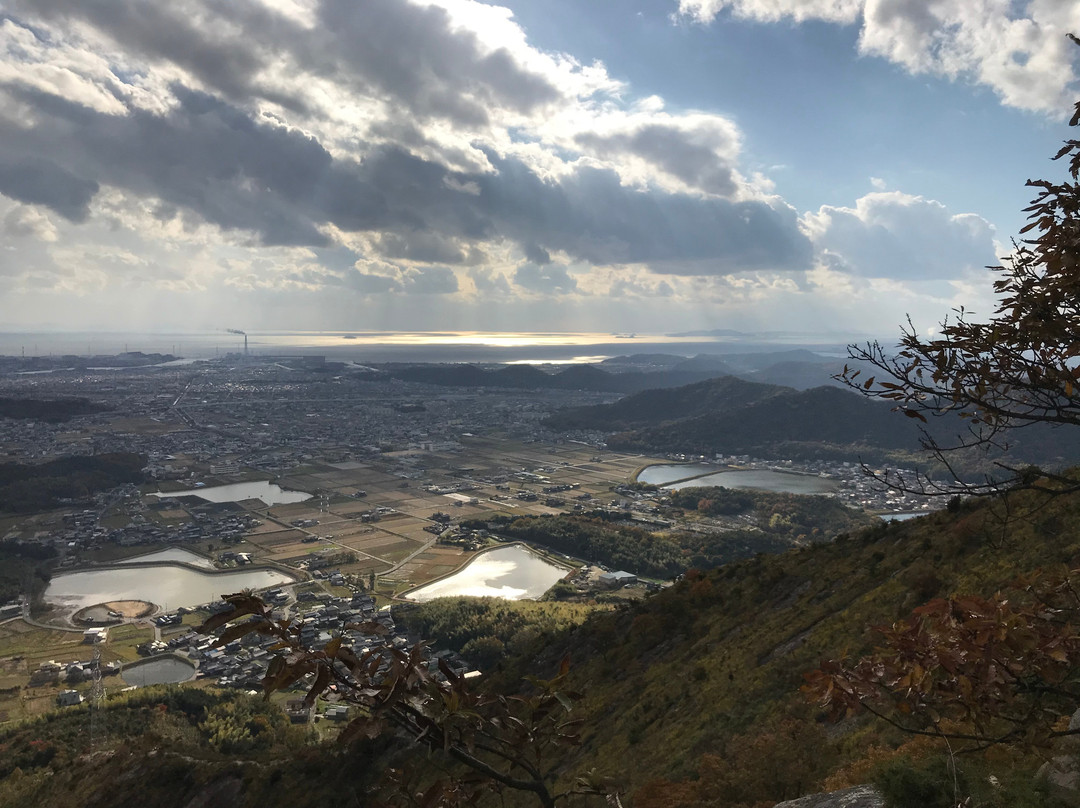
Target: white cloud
{"type": "Point", "coordinates": [256, 159]}
{"type": "Point", "coordinates": [433, 133]}
{"type": "Point", "coordinates": [27, 221]}
{"type": "Point", "coordinates": [889, 234]}
{"type": "Point", "coordinates": [844, 11]}
{"type": "Point", "coordinates": [1016, 47]}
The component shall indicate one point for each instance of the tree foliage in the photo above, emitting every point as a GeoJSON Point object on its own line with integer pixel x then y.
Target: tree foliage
{"type": "Point", "coordinates": [594, 538]}
{"type": "Point", "coordinates": [1017, 370]}
{"type": "Point", "coordinates": [477, 627]}
{"type": "Point", "coordinates": [52, 410]}
{"type": "Point", "coordinates": [25, 487]}
{"type": "Point", "coordinates": [783, 514]}
{"type": "Point", "coordinates": [981, 670]}
{"type": "Point", "coordinates": [502, 742]}
{"type": "Point", "coordinates": [25, 568]}
{"type": "Point", "coordinates": [778, 520]}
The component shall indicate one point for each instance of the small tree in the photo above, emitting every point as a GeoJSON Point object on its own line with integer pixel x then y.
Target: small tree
{"type": "Point", "coordinates": [1004, 669]}
{"type": "Point", "coordinates": [1019, 369]}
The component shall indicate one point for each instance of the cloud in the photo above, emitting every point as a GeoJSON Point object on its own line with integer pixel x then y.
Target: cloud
{"type": "Point", "coordinates": [890, 234]}
{"type": "Point", "coordinates": [489, 283]}
{"type": "Point", "coordinates": [1018, 48]}
{"type": "Point", "coordinates": [593, 217]}
{"type": "Point", "coordinates": [698, 152]}
{"type": "Point", "coordinates": [431, 281]}
{"type": "Point", "coordinates": [427, 248]}
{"type": "Point", "coordinates": [270, 155]}
{"type": "Point", "coordinates": [24, 221]}
{"type": "Point", "coordinates": [630, 287]}
{"type": "Point", "coordinates": [405, 51]}
{"type": "Point", "coordinates": [370, 283]}
{"type": "Point", "coordinates": [545, 280]}
{"type": "Point", "coordinates": [535, 254]}
{"type": "Point", "coordinates": [247, 174]}
{"type": "Point", "coordinates": [844, 11]}
{"type": "Point", "coordinates": [36, 180]}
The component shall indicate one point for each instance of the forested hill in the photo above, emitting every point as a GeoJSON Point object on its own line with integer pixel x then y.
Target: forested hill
{"type": "Point", "coordinates": [651, 408]}
{"type": "Point", "coordinates": [733, 416]}
{"type": "Point", "coordinates": [821, 422]}
{"type": "Point", "coordinates": [575, 377]}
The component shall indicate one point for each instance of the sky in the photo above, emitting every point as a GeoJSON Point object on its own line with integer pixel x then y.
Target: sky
{"type": "Point", "coordinates": [650, 166]}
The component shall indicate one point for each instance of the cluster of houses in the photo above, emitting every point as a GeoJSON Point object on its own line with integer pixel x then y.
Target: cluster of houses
{"type": "Point", "coordinates": [72, 673]}
{"type": "Point", "coordinates": [211, 522]}
{"type": "Point", "coordinates": [242, 663]}
{"type": "Point", "coordinates": [239, 559]}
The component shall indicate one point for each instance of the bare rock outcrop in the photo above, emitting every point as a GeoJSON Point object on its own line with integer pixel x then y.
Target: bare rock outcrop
{"type": "Point", "coordinates": [857, 797]}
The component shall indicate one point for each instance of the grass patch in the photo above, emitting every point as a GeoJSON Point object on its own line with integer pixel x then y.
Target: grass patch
{"type": "Point", "coordinates": [38, 643]}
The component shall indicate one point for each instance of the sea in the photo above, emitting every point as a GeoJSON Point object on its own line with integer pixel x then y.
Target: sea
{"type": "Point", "coordinates": [406, 346]}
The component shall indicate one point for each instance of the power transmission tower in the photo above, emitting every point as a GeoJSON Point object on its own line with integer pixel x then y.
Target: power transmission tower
{"type": "Point", "coordinates": [98, 731]}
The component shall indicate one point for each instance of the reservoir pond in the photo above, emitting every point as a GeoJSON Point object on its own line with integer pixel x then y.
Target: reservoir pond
{"type": "Point", "coordinates": [664, 474]}
{"type": "Point", "coordinates": [512, 572]}
{"type": "Point", "coordinates": [167, 586]}
{"type": "Point", "coordinates": [172, 554]}
{"type": "Point", "coordinates": [165, 670]}
{"type": "Point", "coordinates": [761, 479]}
{"type": "Point", "coordinates": [269, 493]}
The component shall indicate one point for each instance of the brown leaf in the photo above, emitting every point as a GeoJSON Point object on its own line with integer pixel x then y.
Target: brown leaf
{"type": "Point", "coordinates": [322, 681]}
{"type": "Point", "coordinates": [238, 631]}
{"type": "Point", "coordinates": [365, 726]}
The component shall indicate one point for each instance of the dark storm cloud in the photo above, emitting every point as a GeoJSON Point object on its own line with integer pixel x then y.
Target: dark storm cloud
{"type": "Point", "coordinates": [595, 218]}
{"type": "Point", "coordinates": [537, 255]}
{"type": "Point", "coordinates": [38, 181]}
{"type": "Point", "coordinates": [204, 156]}
{"type": "Point", "coordinates": [210, 157]}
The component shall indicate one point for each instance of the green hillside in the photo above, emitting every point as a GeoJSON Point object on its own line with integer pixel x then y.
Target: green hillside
{"type": "Point", "coordinates": [684, 687]}
{"type": "Point", "coordinates": [690, 697]}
